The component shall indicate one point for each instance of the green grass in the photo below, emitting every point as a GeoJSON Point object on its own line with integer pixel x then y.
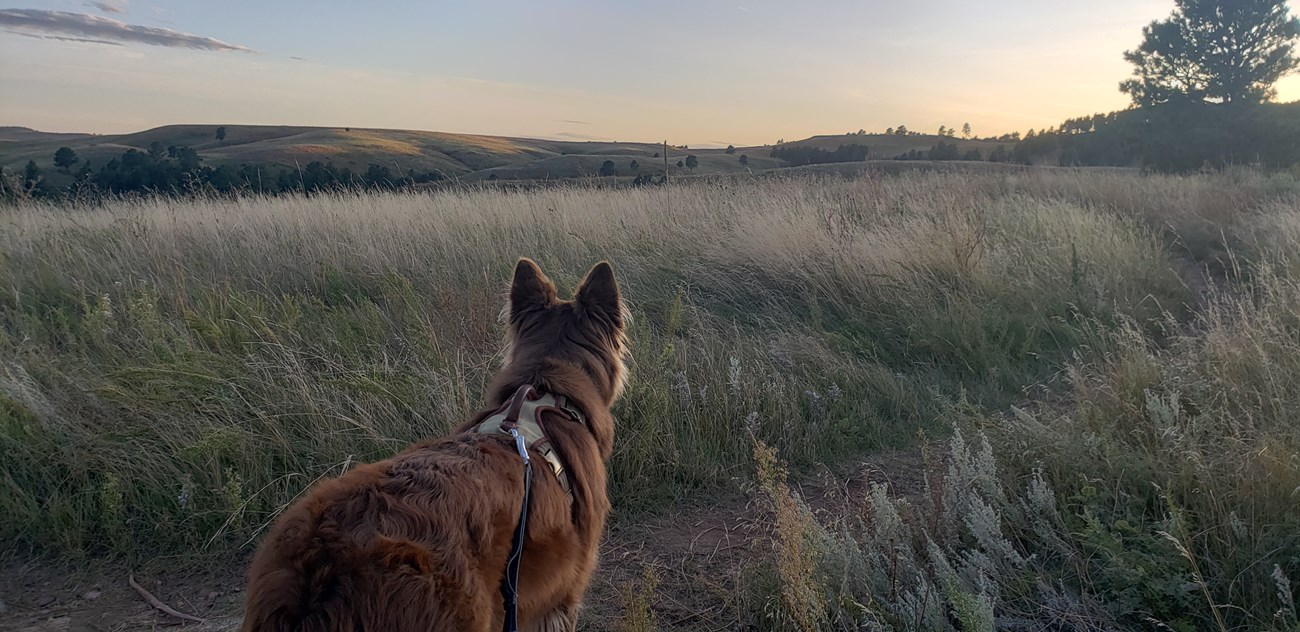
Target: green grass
{"type": "Point", "coordinates": [173, 373]}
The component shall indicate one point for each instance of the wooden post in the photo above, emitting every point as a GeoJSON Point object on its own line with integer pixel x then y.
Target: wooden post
{"type": "Point", "coordinates": [665, 162]}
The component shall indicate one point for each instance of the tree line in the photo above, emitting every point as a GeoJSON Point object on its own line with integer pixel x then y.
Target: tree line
{"type": "Point", "coordinates": [1174, 137]}
{"type": "Point", "coordinates": [180, 170]}
{"type": "Point", "coordinates": [806, 155]}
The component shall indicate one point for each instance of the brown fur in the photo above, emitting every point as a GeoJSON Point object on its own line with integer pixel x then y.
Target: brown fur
{"type": "Point", "coordinates": [419, 541]}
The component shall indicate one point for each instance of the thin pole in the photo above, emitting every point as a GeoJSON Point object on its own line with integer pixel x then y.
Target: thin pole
{"type": "Point", "coordinates": [665, 162]}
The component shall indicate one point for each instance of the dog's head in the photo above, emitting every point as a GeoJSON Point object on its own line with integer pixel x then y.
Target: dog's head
{"type": "Point", "coordinates": [587, 332]}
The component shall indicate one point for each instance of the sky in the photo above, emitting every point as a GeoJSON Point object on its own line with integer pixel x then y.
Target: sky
{"type": "Point", "coordinates": [699, 72]}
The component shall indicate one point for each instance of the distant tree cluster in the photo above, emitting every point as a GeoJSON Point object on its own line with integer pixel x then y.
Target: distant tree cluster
{"type": "Point", "coordinates": [1176, 137]}
{"type": "Point", "coordinates": [805, 155]}
{"type": "Point", "coordinates": [318, 176]}
{"type": "Point", "coordinates": [179, 169]}
{"type": "Point", "coordinates": [158, 170]}
{"type": "Point", "coordinates": [945, 151]}
{"type": "Point", "coordinates": [942, 151]}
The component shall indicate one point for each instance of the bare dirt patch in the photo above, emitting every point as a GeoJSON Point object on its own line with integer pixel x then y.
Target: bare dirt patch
{"type": "Point", "coordinates": [65, 597]}
{"type": "Point", "coordinates": [700, 553]}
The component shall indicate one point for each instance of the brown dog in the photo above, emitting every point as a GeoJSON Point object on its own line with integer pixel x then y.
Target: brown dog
{"type": "Point", "coordinates": [420, 541]}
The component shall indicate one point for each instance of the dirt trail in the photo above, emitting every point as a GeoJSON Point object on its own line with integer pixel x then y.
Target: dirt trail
{"type": "Point", "coordinates": [697, 553]}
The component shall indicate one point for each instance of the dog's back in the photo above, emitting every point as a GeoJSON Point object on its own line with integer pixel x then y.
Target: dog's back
{"type": "Point", "coordinates": [410, 543]}
{"type": "Point", "coordinates": [420, 541]}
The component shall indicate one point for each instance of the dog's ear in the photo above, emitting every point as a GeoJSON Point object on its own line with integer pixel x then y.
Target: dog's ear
{"type": "Point", "coordinates": [530, 290]}
{"type": "Point", "coordinates": [598, 295]}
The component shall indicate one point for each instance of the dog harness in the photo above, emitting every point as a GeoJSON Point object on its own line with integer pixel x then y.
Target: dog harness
{"type": "Point", "coordinates": [521, 418]}
{"type": "Point", "coordinates": [522, 414]}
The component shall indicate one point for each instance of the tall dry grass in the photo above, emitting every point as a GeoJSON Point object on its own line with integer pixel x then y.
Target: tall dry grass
{"type": "Point", "coordinates": [173, 373]}
{"type": "Point", "coordinates": [1156, 485]}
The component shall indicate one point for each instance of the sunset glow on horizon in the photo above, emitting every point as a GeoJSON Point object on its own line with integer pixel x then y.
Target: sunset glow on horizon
{"type": "Point", "coordinates": [708, 74]}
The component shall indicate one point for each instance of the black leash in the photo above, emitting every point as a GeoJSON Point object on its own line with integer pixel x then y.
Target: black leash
{"type": "Point", "coordinates": [510, 583]}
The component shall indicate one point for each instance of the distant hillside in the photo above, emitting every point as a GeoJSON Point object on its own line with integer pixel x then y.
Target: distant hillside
{"type": "Point", "coordinates": [887, 146]}
{"type": "Point", "coordinates": [451, 156]}
{"type": "Point", "coordinates": [292, 148]}
{"type": "Point", "coordinates": [11, 133]}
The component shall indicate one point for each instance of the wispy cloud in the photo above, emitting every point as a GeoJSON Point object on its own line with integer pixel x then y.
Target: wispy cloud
{"type": "Point", "coordinates": [573, 136]}
{"type": "Point", "coordinates": [108, 6]}
{"type": "Point", "coordinates": [86, 27]}
{"type": "Point", "coordinates": [575, 122]}
{"type": "Point", "coordinates": [67, 39]}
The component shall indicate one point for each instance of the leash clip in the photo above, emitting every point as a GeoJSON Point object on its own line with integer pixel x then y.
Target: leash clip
{"type": "Point", "coordinates": [520, 446]}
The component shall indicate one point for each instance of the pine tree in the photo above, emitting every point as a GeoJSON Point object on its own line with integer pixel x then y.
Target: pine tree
{"type": "Point", "coordinates": [1214, 51]}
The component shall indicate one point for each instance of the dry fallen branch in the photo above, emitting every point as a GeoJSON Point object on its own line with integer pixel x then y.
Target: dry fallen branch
{"type": "Point", "coordinates": [156, 603]}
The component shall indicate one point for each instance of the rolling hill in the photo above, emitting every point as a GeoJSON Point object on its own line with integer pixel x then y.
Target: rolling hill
{"type": "Point", "coordinates": [18, 134]}
{"type": "Point", "coordinates": [886, 146]}
{"type": "Point", "coordinates": [454, 156]}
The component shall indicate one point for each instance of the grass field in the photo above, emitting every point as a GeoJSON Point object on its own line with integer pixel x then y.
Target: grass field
{"type": "Point", "coordinates": [1099, 367]}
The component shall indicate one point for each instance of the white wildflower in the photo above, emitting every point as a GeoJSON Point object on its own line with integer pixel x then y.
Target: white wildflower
{"type": "Point", "coordinates": [1287, 611]}
{"type": "Point", "coordinates": [733, 377]}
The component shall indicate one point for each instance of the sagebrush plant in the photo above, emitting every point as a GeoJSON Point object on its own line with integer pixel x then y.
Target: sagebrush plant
{"type": "Point", "coordinates": [638, 599]}
{"type": "Point", "coordinates": [970, 555]}
{"type": "Point", "coordinates": [1182, 460]}
{"type": "Point", "coordinates": [976, 555]}
{"type": "Point", "coordinates": [174, 372]}
{"type": "Point", "coordinates": [802, 603]}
